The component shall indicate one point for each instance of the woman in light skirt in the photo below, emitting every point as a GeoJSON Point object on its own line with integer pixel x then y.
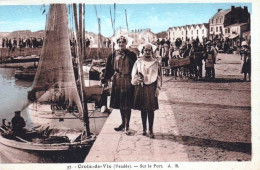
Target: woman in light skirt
{"type": "Point", "coordinates": [147, 78]}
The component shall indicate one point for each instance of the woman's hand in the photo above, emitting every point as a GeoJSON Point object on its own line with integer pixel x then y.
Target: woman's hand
{"type": "Point", "coordinates": [140, 79]}
{"type": "Point", "coordinates": [136, 80]}
{"type": "Point", "coordinates": [103, 81]}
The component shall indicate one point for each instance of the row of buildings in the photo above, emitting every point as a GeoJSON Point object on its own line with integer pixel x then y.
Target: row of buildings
{"type": "Point", "coordinates": [229, 23]}
{"type": "Point", "coordinates": [189, 32]}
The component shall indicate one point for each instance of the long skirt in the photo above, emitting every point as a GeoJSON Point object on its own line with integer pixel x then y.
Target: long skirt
{"type": "Point", "coordinates": [246, 68]}
{"type": "Point", "coordinates": [144, 97]}
{"type": "Point", "coordinates": [122, 92]}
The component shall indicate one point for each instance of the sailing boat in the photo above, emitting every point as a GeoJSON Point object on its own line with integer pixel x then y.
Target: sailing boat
{"type": "Point", "coordinates": [56, 102]}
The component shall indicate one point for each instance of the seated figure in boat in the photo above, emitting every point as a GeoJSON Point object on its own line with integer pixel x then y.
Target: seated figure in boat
{"type": "Point", "coordinates": [18, 124]}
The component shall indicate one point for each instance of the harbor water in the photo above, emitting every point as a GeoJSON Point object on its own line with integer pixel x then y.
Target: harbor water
{"type": "Point", "coordinates": [13, 96]}
{"type": "Point", "coordinates": [13, 93]}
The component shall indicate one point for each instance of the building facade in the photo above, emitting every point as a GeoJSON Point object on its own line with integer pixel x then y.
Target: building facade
{"type": "Point", "coordinates": [142, 36]}
{"type": "Point", "coordinates": [236, 30]}
{"type": "Point", "coordinates": [220, 23]}
{"type": "Point", "coordinates": [189, 32]}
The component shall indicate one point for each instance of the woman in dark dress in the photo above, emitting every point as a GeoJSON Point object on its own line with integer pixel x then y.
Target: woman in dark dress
{"type": "Point", "coordinates": [246, 57]}
{"type": "Point", "coordinates": [147, 78]}
{"type": "Point", "coordinates": [119, 66]}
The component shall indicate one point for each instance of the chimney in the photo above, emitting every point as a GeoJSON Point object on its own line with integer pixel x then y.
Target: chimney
{"type": "Point", "coordinates": [232, 8]}
{"type": "Point", "coordinates": [219, 10]}
{"type": "Point", "coordinates": [245, 8]}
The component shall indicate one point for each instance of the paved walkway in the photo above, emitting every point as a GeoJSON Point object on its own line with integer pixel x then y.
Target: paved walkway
{"type": "Point", "coordinates": [112, 146]}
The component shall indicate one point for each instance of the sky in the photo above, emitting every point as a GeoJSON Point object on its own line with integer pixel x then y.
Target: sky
{"type": "Point", "coordinates": [157, 17]}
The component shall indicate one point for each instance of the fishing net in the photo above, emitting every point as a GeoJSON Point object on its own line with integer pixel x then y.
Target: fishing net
{"type": "Point", "coordinates": [55, 81]}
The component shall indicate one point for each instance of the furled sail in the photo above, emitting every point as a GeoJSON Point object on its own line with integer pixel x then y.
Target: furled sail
{"type": "Point", "coordinates": [55, 81]}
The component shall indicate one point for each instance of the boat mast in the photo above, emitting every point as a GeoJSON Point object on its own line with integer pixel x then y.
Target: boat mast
{"type": "Point", "coordinates": [99, 43]}
{"type": "Point", "coordinates": [80, 61]}
{"type": "Point", "coordinates": [84, 38]}
{"type": "Point", "coordinates": [114, 18]}
{"type": "Point", "coordinates": [126, 20]}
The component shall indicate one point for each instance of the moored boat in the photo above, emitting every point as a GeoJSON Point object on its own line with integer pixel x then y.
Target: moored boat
{"type": "Point", "coordinates": [25, 73]}
{"type": "Point", "coordinates": [57, 106]}
{"type": "Point", "coordinates": [20, 61]}
{"type": "Point", "coordinates": [40, 146]}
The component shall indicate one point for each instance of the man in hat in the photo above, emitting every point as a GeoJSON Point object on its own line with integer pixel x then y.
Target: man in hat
{"type": "Point", "coordinates": [165, 58]}
{"type": "Point", "coordinates": [210, 59]}
{"type": "Point", "coordinates": [199, 59]}
{"type": "Point", "coordinates": [18, 124]}
{"type": "Point", "coordinates": [3, 42]}
{"type": "Point", "coordinates": [119, 66]}
{"type": "Point", "coordinates": [193, 54]}
{"type": "Point", "coordinates": [87, 42]}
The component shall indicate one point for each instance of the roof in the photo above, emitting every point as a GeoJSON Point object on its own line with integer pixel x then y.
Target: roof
{"type": "Point", "coordinates": [238, 24]}
{"type": "Point", "coordinates": [221, 13]}
{"type": "Point", "coordinates": [206, 25]}
{"type": "Point", "coordinates": [233, 36]}
{"type": "Point", "coordinates": [189, 26]}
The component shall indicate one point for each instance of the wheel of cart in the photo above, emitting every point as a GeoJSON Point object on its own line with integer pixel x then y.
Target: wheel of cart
{"type": "Point", "coordinates": [180, 67]}
{"type": "Point", "coordinates": [165, 69]}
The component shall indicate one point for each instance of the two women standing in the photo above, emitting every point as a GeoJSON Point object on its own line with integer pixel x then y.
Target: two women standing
{"type": "Point", "coordinates": [136, 84]}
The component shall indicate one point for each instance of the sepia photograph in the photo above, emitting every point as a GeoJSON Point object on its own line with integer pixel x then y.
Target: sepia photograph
{"type": "Point", "coordinates": [128, 85]}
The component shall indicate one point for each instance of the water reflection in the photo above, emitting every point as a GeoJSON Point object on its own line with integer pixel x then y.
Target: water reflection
{"type": "Point", "coordinates": [13, 93]}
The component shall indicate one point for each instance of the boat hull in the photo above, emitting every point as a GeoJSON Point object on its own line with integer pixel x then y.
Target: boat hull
{"type": "Point", "coordinates": [17, 150]}
{"type": "Point", "coordinates": [20, 62]}
{"type": "Point", "coordinates": [25, 74]}
{"type": "Point", "coordinates": [14, 155]}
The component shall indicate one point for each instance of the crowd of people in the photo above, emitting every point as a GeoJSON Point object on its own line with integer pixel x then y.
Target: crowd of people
{"type": "Point", "coordinates": [73, 42]}
{"type": "Point", "coordinates": [32, 42]}
{"type": "Point", "coordinates": [13, 43]}
{"type": "Point", "coordinates": [107, 43]}
{"type": "Point", "coordinates": [195, 52]}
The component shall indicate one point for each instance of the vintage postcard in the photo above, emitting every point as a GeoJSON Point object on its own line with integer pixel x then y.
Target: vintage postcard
{"type": "Point", "coordinates": [129, 85]}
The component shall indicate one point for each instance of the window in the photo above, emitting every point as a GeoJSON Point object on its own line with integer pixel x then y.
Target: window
{"type": "Point", "coordinates": [226, 30]}
{"type": "Point", "coordinates": [203, 31]}
{"type": "Point", "coordinates": [182, 33]}
{"type": "Point", "coordinates": [197, 31]}
{"type": "Point", "coordinates": [211, 29]}
{"type": "Point", "coordinates": [216, 20]}
{"type": "Point", "coordinates": [216, 29]}
{"type": "Point", "coordinates": [220, 28]}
